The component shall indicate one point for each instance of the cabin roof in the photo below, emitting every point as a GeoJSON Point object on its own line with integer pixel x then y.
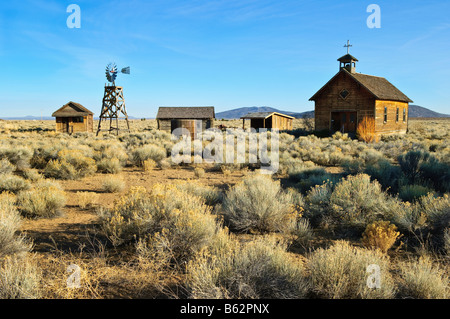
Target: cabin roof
{"type": "Point", "coordinates": [379, 87]}
{"type": "Point", "coordinates": [186, 112]}
{"type": "Point", "coordinates": [263, 115]}
{"type": "Point", "coordinates": [72, 109]}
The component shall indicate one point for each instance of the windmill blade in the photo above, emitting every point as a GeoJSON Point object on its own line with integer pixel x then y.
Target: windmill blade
{"type": "Point", "coordinates": [126, 70]}
{"type": "Point", "coordinates": [111, 72]}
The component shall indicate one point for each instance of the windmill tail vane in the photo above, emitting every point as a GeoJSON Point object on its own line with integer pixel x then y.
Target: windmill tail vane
{"type": "Point", "coordinates": [126, 70]}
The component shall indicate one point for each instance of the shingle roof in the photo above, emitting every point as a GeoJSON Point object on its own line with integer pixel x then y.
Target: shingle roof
{"type": "Point", "coordinates": [72, 109]}
{"type": "Point", "coordinates": [347, 57]}
{"type": "Point", "coordinates": [263, 115]}
{"type": "Point", "coordinates": [379, 87]}
{"type": "Point", "coordinates": [188, 112]}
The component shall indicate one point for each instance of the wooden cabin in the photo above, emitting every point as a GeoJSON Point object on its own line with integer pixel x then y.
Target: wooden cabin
{"type": "Point", "coordinates": [268, 120]}
{"type": "Point", "coordinates": [349, 96]}
{"type": "Point", "coordinates": [72, 118]}
{"type": "Point", "coordinates": [194, 118]}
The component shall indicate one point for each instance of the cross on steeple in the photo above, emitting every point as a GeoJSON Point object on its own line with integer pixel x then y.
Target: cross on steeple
{"type": "Point", "coordinates": [348, 45]}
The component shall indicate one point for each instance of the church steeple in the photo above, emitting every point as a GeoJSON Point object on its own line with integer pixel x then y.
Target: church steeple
{"type": "Point", "coordinates": [348, 61]}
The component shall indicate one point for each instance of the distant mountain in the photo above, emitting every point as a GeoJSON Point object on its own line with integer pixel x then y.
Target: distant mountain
{"type": "Point", "coordinates": [415, 111]}
{"type": "Point", "coordinates": [420, 111]}
{"type": "Point", "coordinates": [239, 112]}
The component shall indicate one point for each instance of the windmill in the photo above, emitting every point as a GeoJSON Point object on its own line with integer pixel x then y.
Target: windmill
{"type": "Point", "coordinates": [113, 105]}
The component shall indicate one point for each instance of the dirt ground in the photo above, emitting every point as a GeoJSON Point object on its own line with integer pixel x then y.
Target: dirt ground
{"type": "Point", "coordinates": [75, 225]}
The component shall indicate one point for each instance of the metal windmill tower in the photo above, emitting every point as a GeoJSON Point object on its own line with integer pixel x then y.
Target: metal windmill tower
{"type": "Point", "coordinates": [113, 105]}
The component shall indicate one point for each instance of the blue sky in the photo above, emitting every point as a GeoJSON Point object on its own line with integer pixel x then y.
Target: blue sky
{"type": "Point", "coordinates": [222, 53]}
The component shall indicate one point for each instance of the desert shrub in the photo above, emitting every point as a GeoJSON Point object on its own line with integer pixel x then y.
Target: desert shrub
{"type": "Point", "coordinates": [423, 280]}
{"type": "Point", "coordinates": [199, 172]}
{"type": "Point", "coordinates": [318, 202]}
{"type": "Point", "coordinates": [165, 163]}
{"type": "Point", "coordinates": [44, 154]}
{"type": "Point", "coordinates": [13, 183]}
{"type": "Point", "coordinates": [258, 203]}
{"type": "Point", "coordinates": [447, 241]}
{"type": "Point", "coordinates": [436, 210]}
{"type": "Point", "coordinates": [87, 199]}
{"type": "Point", "coordinates": [411, 193]}
{"type": "Point", "coordinates": [10, 222]}
{"type": "Point", "coordinates": [71, 164]}
{"type": "Point", "coordinates": [357, 201]}
{"type": "Point", "coordinates": [411, 163]}
{"type": "Point", "coordinates": [18, 156]}
{"type": "Point", "coordinates": [380, 235]}
{"type": "Point", "coordinates": [59, 169]}
{"type": "Point", "coordinates": [211, 195]}
{"type": "Point", "coordinates": [154, 152]}
{"type": "Point", "coordinates": [6, 167]}
{"type": "Point", "coordinates": [113, 184]}
{"type": "Point", "coordinates": [419, 167]}
{"type": "Point", "coordinates": [302, 232]}
{"type": "Point", "coordinates": [165, 220]}
{"type": "Point", "coordinates": [149, 165]}
{"type": "Point", "coordinates": [44, 199]}
{"type": "Point", "coordinates": [32, 175]}
{"type": "Point", "coordinates": [258, 269]}
{"type": "Point", "coordinates": [19, 279]}
{"type": "Point", "coordinates": [316, 177]}
{"type": "Point", "coordinates": [385, 173]}
{"type": "Point", "coordinates": [340, 272]}
{"type": "Point", "coordinates": [225, 170]}
{"type": "Point", "coordinates": [109, 149]}
{"type": "Point", "coordinates": [437, 174]}
{"type": "Point", "coordinates": [109, 166]}
{"type": "Point", "coordinates": [366, 130]}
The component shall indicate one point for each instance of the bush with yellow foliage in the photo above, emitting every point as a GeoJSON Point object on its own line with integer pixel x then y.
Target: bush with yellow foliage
{"type": "Point", "coordinates": [380, 235]}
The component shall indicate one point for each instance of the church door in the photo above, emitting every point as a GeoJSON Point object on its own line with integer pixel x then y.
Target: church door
{"type": "Point", "coordinates": [344, 122]}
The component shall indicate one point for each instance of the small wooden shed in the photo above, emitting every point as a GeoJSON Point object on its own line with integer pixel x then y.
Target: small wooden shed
{"type": "Point", "coordinates": [269, 120]}
{"type": "Point", "coordinates": [74, 117]}
{"type": "Point", "coordinates": [194, 118]}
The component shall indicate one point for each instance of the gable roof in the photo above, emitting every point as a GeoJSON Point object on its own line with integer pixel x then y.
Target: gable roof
{"type": "Point", "coordinates": [72, 109]}
{"type": "Point", "coordinates": [379, 87]}
{"type": "Point", "coordinates": [186, 112]}
{"type": "Point", "coordinates": [263, 115]}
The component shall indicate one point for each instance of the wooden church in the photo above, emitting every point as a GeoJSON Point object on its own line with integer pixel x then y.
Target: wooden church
{"type": "Point", "coordinates": [349, 97]}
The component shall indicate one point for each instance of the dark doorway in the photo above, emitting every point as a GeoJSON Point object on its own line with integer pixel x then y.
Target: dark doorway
{"type": "Point", "coordinates": [345, 122]}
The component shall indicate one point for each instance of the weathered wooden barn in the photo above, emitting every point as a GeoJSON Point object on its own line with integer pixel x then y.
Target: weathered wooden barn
{"type": "Point", "coordinates": [349, 96]}
{"type": "Point", "coordinates": [74, 117]}
{"type": "Point", "coordinates": [268, 120]}
{"type": "Point", "coordinates": [195, 118]}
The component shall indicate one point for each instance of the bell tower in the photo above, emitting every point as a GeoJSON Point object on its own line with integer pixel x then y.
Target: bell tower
{"type": "Point", "coordinates": [348, 61]}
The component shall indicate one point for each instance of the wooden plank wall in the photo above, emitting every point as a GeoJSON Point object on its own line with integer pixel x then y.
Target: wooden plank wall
{"type": "Point", "coordinates": [391, 126]}
{"type": "Point", "coordinates": [86, 126]}
{"type": "Point", "coordinates": [281, 122]}
{"type": "Point", "coordinates": [358, 100]}
{"type": "Point", "coordinates": [166, 124]}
